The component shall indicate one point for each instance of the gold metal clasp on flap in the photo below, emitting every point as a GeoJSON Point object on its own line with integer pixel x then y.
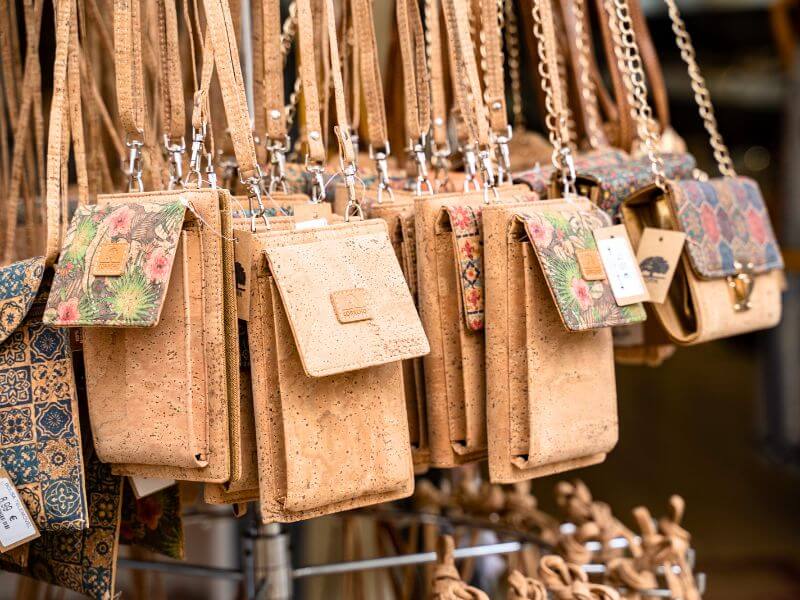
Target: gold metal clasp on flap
{"type": "Point", "coordinates": [741, 286]}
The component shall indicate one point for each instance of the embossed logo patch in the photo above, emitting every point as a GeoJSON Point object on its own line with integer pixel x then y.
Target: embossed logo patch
{"type": "Point", "coordinates": [351, 305]}
{"type": "Point", "coordinates": [590, 264]}
{"type": "Point", "coordinates": [110, 259]}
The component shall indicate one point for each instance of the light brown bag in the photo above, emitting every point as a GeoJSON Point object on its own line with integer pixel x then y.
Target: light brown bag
{"type": "Point", "coordinates": [729, 280]}
{"type": "Point", "coordinates": [330, 320]}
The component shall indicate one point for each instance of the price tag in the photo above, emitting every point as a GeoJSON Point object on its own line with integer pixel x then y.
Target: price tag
{"type": "Point", "coordinates": [243, 262]}
{"type": "Point", "coordinates": [620, 265]}
{"type": "Point", "coordinates": [658, 255]}
{"type": "Point", "coordinates": [16, 525]}
{"type": "Point", "coordinates": [311, 224]}
{"type": "Point", "coordinates": [144, 486]}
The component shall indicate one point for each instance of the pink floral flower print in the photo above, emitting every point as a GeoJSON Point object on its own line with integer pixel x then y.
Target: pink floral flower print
{"type": "Point", "coordinates": [541, 231]}
{"type": "Point", "coordinates": [68, 311]}
{"type": "Point", "coordinates": [157, 266]}
{"type": "Point", "coordinates": [119, 222]}
{"type": "Point", "coordinates": [581, 293]}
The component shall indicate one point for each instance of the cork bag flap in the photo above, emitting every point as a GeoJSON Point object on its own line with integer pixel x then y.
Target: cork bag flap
{"type": "Point", "coordinates": [559, 230]}
{"type": "Point", "coordinates": [115, 264]}
{"type": "Point", "coordinates": [345, 298]}
{"type": "Point", "coordinates": [725, 221]}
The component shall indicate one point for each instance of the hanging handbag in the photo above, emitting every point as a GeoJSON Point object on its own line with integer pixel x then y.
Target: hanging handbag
{"type": "Point", "coordinates": [551, 403]}
{"type": "Point", "coordinates": [318, 327]}
{"type": "Point", "coordinates": [729, 279]}
{"type": "Point", "coordinates": [147, 274]}
{"type": "Point", "coordinates": [40, 435]}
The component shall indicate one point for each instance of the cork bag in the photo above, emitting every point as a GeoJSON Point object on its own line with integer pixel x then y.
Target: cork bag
{"type": "Point", "coordinates": [331, 319]}
{"type": "Point", "coordinates": [730, 278]}
{"type": "Point", "coordinates": [149, 278]}
{"type": "Point", "coordinates": [551, 403]}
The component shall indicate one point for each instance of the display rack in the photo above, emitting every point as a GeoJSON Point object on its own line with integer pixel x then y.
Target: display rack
{"type": "Point", "coordinates": [273, 581]}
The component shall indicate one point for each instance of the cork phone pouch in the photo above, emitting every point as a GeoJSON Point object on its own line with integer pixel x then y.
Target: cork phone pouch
{"type": "Point", "coordinates": [730, 276]}
{"type": "Point", "coordinates": [451, 300]}
{"type": "Point", "coordinates": [150, 278]}
{"type": "Point", "coordinates": [551, 403]}
{"type": "Point", "coordinates": [331, 320]}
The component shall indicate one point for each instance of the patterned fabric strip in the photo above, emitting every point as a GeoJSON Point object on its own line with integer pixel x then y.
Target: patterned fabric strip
{"type": "Point", "coordinates": [465, 221]}
{"type": "Point", "coordinates": [725, 221]}
{"type": "Point", "coordinates": [19, 283]}
{"type": "Point", "coordinates": [555, 233]}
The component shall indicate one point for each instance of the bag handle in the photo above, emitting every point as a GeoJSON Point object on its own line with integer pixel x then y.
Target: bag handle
{"type": "Point", "coordinates": [467, 89]}
{"type": "Point", "coordinates": [416, 83]}
{"type": "Point", "coordinates": [173, 110]}
{"type": "Point", "coordinates": [701, 94]}
{"type": "Point", "coordinates": [440, 143]}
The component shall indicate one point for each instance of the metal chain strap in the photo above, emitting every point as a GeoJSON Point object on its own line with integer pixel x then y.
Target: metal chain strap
{"type": "Point", "coordinates": [621, 26]}
{"type": "Point", "coordinates": [289, 31]}
{"type": "Point", "coordinates": [588, 90]}
{"type": "Point", "coordinates": [701, 94]}
{"type": "Point", "coordinates": [513, 59]}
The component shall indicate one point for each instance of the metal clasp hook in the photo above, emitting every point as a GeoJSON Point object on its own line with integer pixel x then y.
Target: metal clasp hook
{"type": "Point", "coordinates": [741, 286]}
{"type": "Point", "coordinates": [504, 156]}
{"type": "Point", "coordinates": [133, 168]}
{"type": "Point", "coordinates": [470, 169]}
{"type": "Point", "coordinates": [174, 152]}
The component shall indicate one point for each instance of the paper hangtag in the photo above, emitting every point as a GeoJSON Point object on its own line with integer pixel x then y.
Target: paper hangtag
{"type": "Point", "coordinates": [658, 255]}
{"type": "Point", "coordinates": [311, 214]}
{"type": "Point", "coordinates": [620, 265]}
{"type": "Point", "coordinates": [145, 486]}
{"type": "Point", "coordinates": [243, 262]}
{"type": "Point", "coordinates": [16, 525]}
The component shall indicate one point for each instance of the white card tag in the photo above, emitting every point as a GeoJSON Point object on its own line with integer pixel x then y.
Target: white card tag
{"type": "Point", "coordinates": [620, 265]}
{"type": "Point", "coordinates": [16, 525]}
{"type": "Point", "coordinates": [145, 486]}
{"type": "Point", "coordinates": [311, 224]}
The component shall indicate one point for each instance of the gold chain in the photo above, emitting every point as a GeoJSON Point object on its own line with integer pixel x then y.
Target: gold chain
{"type": "Point", "coordinates": [289, 31]}
{"type": "Point", "coordinates": [512, 56]}
{"type": "Point", "coordinates": [627, 50]}
{"type": "Point", "coordinates": [701, 94]}
{"type": "Point", "coordinates": [588, 90]}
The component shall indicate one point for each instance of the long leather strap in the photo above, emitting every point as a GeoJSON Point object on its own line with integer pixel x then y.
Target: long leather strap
{"type": "Point", "coordinates": [308, 77]}
{"type": "Point", "coordinates": [128, 65]}
{"type": "Point", "coordinates": [494, 75]}
{"type": "Point", "coordinates": [416, 82]}
{"type": "Point", "coordinates": [370, 74]}
{"type": "Point", "coordinates": [173, 111]}
{"type": "Point", "coordinates": [272, 57]}
{"type": "Point", "coordinates": [436, 64]}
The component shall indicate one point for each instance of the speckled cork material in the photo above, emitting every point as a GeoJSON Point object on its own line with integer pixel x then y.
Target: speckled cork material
{"type": "Point", "coordinates": [160, 397]}
{"type": "Point", "coordinates": [455, 368]}
{"type": "Point", "coordinates": [338, 440]}
{"type": "Point", "coordinates": [551, 403]}
{"type": "Point", "coordinates": [699, 307]}
{"type": "Point", "coordinates": [398, 212]}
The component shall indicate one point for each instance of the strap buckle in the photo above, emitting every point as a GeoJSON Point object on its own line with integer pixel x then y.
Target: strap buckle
{"type": "Point", "coordinates": [381, 158]}
{"type": "Point", "coordinates": [196, 155]}
{"type": "Point", "coordinates": [504, 156]}
{"type": "Point", "coordinates": [317, 181]}
{"type": "Point", "coordinates": [470, 169]}
{"type": "Point", "coordinates": [133, 168]}
{"type": "Point", "coordinates": [174, 152]}
{"type": "Point", "coordinates": [416, 151]}
{"type": "Point", "coordinates": [255, 192]}
{"type": "Point", "coordinates": [277, 151]}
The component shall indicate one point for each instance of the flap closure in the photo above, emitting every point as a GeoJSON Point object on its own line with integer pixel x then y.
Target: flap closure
{"type": "Point", "coordinates": [115, 265]}
{"type": "Point", "coordinates": [618, 181]}
{"type": "Point", "coordinates": [726, 222]}
{"type": "Point", "coordinates": [561, 233]}
{"type": "Point", "coordinates": [345, 297]}
{"type": "Point", "coordinates": [19, 283]}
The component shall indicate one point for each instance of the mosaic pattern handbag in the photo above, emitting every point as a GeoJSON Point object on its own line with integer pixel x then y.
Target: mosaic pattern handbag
{"type": "Point", "coordinates": [40, 438]}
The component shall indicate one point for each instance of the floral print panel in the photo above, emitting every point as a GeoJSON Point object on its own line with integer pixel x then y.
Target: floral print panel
{"type": "Point", "coordinates": [40, 442]}
{"type": "Point", "coordinates": [556, 231]}
{"type": "Point", "coordinates": [146, 235]}
{"type": "Point", "coordinates": [725, 221]}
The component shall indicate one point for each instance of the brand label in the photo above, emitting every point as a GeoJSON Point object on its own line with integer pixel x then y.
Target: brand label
{"type": "Point", "coordinates": [658, 255]}
{"type": "Point", "coordinates": [590, 264]}
{"type": "Point", "coordinates": [351, 305]}
{"type": "Point", "coordinates": [620, 265]}
{"type": "Point", "coordinates": [110, 259]}
{"type": "Point", "coordinates": [16, 524]}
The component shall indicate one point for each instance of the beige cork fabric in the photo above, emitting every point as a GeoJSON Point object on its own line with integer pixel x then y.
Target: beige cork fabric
{"type": "Point", "coordinates": [160, 398]}
{"type": "Point", "coordinates": [332, 427]}
{"type": "Point", "coordinates": [551, 403]}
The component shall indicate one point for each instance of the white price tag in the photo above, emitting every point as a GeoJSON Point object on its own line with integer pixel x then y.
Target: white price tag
{"type": "Point", "coordinates": [621, 266]}
{"type": "Point", "coordinates": [16, 525]}
{"type": "Point", "coordinates": [311, 224]}
{"type": "Point", "coordinates": [145, 486]}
